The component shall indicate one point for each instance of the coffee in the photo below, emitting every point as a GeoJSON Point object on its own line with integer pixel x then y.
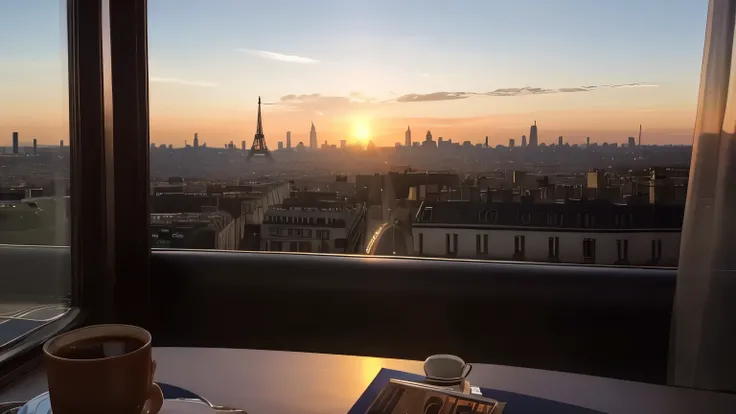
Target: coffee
{"type": "Point", "coordinates": [100, 347]}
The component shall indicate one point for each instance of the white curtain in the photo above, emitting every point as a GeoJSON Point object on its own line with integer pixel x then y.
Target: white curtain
{"type": "Point", "coordinates": [703, 336]}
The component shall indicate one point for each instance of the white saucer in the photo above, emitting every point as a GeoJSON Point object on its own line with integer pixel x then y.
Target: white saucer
{"type": "Point", "coordinates": [42, 405]}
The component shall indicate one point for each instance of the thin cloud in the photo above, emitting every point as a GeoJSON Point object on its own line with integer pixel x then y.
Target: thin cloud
{"type": "Point", "coordinates": [527, 90]}
{"type": "Point", "coordinates": [265, 54]}
{"type": "Point", "coordinates": [436, 96]}
{"type": "Point", "coordinates": [185, 82]}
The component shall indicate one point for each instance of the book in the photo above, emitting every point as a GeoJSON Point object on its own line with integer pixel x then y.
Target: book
{"type": "Point", "coordinates": [385, 393]}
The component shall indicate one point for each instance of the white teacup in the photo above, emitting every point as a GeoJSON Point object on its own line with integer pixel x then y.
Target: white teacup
{"type": "Point", "coordinates": [446, 368]}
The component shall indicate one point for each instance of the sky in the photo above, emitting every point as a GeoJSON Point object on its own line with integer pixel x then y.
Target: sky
{"type": "Point", "coordinates": [365, 70]}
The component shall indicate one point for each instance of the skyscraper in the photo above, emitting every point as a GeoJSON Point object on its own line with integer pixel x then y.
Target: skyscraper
{"type": "Point", "coordinates": [486, 141]}
{"type": "Point", "coordinates": [343, 143]}
{"type": "Point", "coordinates": [587, 142]}
{"type": "Point", "coordinates": [407, 137]}
{"type": "Point", "coordinates": [559, 140]}
{"type": "Point", "coordinates": [512, 142]}
{"type": "Point", "coordinates": [523, 141]}
{"type": "Point", "coordinates": [15, 142]}
{"type": "Point", "coordinates": [313, 137]}
{"type": "Point", "coordinates": [196, 140]}
{"type": "Point", "coordinates": [288, 139]}
{"type": "Point", "coordinates": [61, 144]}
{"type": "Point", "coordinates": [35, 146]}
{"type": "Point", "coordinates": [632, 142]}
{"type": "Point", "coordinates": [242, 145]}
{"type": "Point", "coordinates": [281, 145]}
{"type": "Point", "coordinates": [533, 138]}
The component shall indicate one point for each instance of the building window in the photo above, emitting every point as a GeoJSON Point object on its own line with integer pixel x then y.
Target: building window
{"type": "Point", "coordinates": [589, 250]}
{"type": "Point", "coordinates": [481, 244]}
{"type": "Point", "coordinates": [555, 219]}
{"type": "Point", "coordinates": [622, 248]}
{"type": "Point", "coordinates": [305, 247]}
{"type": "Point", "coordinates": [306, 233]}
{"type": "Point", "coordinates": [276, 246]}
{"type": "Point", "coordinates": [427, 214]}
{"type": "Point", "coordinates": [519, 246]}
{"type": "Point", "coordinates": [320, 221]}
{"type": "Point", "coordinates": [656, 250]}
{"type": "Point", "coordinates": [451, 244]}
{"type": "Point", "coordinates": [586, 220]}
{"type": "Point", "coordinates": [274, 232]}
{"type": "Point", "coordinates": [323, 234]}
{"type": "Point", "coordinates": [483, 216]}
{"type": "Point", "coordinates": [554, 248]}
{"type": "Point", "coordinates": [421, 243]}
{"type": "Point", "coordinates": [526, 217]}
{"type": "Point", "coordinates": [293, 247]}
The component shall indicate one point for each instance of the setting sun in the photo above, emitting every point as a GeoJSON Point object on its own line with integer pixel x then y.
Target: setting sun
{"type": "Point", "coordinates": [361, 132]}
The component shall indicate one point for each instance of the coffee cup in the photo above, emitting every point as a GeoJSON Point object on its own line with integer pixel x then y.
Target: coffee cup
{"type": "Point", "coordinates": [446, 368]}
{"type": "Point", "coordinates": [102, 369]}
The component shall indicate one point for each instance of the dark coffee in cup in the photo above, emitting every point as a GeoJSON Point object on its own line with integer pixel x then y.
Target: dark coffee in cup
{"type": "Point", "coordinates": [102, 369]}
{"type": "Point", "coordinates": [100, 347]}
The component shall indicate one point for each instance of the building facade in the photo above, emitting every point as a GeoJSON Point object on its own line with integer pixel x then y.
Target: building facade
{"type": "Point", "coordinates": [587, 232]}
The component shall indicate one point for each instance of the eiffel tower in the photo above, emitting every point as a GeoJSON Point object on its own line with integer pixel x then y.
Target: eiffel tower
{"type": "Point", "coordinates": [259, 141]}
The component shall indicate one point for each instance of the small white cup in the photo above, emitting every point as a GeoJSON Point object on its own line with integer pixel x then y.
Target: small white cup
{"type": "Point", "coordinates": [445, 367]}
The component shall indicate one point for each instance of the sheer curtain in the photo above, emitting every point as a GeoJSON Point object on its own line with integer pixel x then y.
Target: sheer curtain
{"type": "Point", "coordinates": [703, 336]}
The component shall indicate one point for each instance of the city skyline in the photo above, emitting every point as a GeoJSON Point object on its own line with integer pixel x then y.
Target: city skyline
{"type": "Point", "coordinates": [578, 69]}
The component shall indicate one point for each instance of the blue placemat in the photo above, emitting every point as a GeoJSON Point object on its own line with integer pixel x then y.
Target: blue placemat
{"type": "Point", "coordinates": [515, 403]}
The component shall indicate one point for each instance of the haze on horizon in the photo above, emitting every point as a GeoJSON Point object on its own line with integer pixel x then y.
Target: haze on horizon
{"type": "Point", "coordinates": [365, 70]}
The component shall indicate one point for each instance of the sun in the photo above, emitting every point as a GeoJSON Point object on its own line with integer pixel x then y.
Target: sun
{"type": "Point", "coordinates": [362, 132]}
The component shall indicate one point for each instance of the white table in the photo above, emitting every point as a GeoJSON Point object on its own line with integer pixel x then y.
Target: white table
{"type": "Point", "coordinates": [281, 382]}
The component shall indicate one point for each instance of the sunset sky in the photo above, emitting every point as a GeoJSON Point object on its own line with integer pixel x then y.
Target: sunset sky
{"type": "Point", "coordinates": [366, 69]}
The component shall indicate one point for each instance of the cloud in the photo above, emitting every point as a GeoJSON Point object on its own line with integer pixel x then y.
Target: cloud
{"type": "Point", "coordinates": [182, 82]}
{"type": "Point", "coordinates": [436, 96]}
{"type": "Point", "coordinates": [527, 90]}
{"type": "Point", "coordinates": [279, 56]}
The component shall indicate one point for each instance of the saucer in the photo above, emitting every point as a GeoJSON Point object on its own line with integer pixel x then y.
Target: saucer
{"type": "Point", "coordinates": [41, 404]}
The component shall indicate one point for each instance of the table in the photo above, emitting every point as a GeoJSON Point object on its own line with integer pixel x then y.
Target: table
{"type": "Point", "coordinates": [281, 382]}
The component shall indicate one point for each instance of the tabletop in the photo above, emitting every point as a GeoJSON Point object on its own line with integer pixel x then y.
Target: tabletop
{"type": "Point", "coordinates": [279, 382]}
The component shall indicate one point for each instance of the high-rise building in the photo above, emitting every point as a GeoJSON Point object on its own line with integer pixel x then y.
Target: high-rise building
{"type": "Point", "coordinates": [512, 143]}
{"type": "Point", "coordinates": [196, 140]}
{"type": "Point", "coordinates": [280, 145]}
{"type": "Point", "coordinates": [242, 145]}
{"type": "Point", "coordinates": [61, 144]}
{"type": "Point", "coordinates": [559, 141]}
{"type": "Point", "coordinates": [407, 137]}
{"type": "Point", "coordinates": [343, 143]}
{"type": "Point", "coordinates": [587, 142]}
{"type": "Point", "coordinates": [15, 142]}
{"type": "Point", "coordinates": [533, 137]}
{"type": "Point", "coordinates": [632, 142]}
{"type": "Point", "coordinates": [35, 146]}
{"type": "Point", "coordinates": [313, 137]}
{"type": "Point", "coordinates": [486, 141]}
{"type": "Point", "coordinates": [523, 141]}
{"type": "Point", "coordinates": [288, 139]}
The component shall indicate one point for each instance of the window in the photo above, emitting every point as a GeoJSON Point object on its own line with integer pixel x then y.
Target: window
{"type": "Point", "coordinates": [589, 250]}
{"type": "Point", "coordinates": [554, 248]}
{"type": "Point", "coordinates": [274, 232]}
{"type": "Point", "coordinates": [656, 250]}
{"type": "Point", "coordinates": [350, 176]}
{"type": "Point", "coordinates": [481, 244]}
{"type": "Point", "coordinates": [622, 249]}
{"type": "Point", "coordinates": [519, 247]}
{"type": "Point", "coordinates": [451, 244]}
{"type": "Point", "coordinates": [427, 214]}
{"type": "Point", "coordinates": [276, 246]}
{"type": "Point", "coordinates": [35, 171]}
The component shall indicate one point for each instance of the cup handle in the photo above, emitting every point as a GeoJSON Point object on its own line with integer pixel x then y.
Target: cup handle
{"type": "Point", "coordinates": [466, 370]}
{"type": "Point", "coordinates": [155, 400]}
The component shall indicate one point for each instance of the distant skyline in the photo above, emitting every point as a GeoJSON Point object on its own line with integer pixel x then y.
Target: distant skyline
{"type": "Point", "coordinates": [366, 70]}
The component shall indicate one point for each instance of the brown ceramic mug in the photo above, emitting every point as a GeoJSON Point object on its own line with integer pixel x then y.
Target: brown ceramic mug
{"type": "Point", "coordinates": [102, 369]}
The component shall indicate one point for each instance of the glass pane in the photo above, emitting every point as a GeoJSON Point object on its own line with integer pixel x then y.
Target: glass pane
{"type": "Point", "coordinates": [35, 280]}
{"type": "Point", "coordinates": [372, 128]}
